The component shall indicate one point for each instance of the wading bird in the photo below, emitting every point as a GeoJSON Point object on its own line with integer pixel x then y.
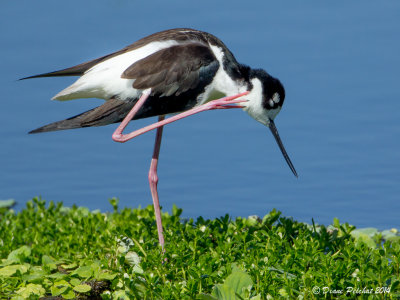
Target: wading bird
{"type": "Point", "coordinates": [182, 71]}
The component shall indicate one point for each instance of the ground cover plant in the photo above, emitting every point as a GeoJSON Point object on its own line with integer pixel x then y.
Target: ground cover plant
{"type": "Point", "coordinates": [49, 251]}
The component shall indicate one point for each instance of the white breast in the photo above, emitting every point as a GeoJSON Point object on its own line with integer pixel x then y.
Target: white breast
{"type": "Point", "coordinates": [104, 79]}
{"type": "Point", "coordinates": [222, 83]}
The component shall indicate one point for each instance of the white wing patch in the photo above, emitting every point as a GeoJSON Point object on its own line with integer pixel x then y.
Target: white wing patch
{"type": "Point", "coordinates": [104, 79]}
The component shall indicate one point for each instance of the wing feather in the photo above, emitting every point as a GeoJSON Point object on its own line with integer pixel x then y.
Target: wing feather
{"type": "Point", "coordinates": [172, 70]}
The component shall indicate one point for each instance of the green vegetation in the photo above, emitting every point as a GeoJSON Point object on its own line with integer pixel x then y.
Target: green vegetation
{"type": "Point", "coordinates": [73, 253]}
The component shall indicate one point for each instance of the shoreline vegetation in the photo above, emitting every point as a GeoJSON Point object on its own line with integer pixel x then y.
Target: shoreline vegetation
{"type": "Point", "coordinates": [49, 251]}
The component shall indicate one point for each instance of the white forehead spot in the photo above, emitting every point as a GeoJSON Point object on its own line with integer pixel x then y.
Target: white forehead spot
{"type": "Point", "coordinates": [270, 102]}
{"type": "Point", "coordinates": [276, 98]}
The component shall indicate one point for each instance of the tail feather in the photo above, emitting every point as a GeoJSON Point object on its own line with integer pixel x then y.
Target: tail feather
{"type": "Point", "coordinates": [112, 111]}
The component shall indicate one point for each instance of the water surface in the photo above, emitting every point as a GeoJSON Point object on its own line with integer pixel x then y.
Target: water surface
{"type": "Point", "coordinates": [340, 66]}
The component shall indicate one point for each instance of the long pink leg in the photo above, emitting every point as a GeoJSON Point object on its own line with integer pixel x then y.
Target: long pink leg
{"type": "Point", "coordinates": [222, 103]}
{"type": "Point", "coordinates": [153, 180]}
{"type": "Point", "coordinates": [118, 136]}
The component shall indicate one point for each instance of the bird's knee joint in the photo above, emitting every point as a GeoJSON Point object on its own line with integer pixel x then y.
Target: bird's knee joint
{"type": "Point", "coordinates": [118, 137]}
{"type": "Point", "coordinates": [153, 178]}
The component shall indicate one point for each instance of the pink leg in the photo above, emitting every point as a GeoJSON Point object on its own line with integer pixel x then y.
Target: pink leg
{"type": "Point", "coordinates": [118, 136]}
{"type": "Point", "coordinates": [222, 103]}
{"type": "Point", "coordinates": [153, 180]}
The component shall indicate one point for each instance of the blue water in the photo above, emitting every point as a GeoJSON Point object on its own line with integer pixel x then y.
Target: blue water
{"type": "Point", "coordinates": [339, 62]}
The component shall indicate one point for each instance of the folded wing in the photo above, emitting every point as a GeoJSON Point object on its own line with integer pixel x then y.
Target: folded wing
{"type": "Point", "coordinates": [174, 70]}
{"type": "Point", "coordinates": [176, 75]}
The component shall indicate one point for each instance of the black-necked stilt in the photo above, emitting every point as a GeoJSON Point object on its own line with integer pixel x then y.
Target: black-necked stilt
{"type": "Point", "coordinates": [178, 70]}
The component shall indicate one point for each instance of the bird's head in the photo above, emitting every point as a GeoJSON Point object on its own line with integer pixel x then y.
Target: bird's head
{"type": "Point", "coordinates": [266, 98]}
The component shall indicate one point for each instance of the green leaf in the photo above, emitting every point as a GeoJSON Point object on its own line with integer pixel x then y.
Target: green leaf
{"type": "Point", "coordinates": [205, 297]}
{"type": "Point", "coordinates": [48, 263]}
{"type": "Point", "coordinates": [286, 258]}
{"type": "Point", "coordinates": [176, 211]}
{"type": "Point", "coordinates": [361, 237]}
{"type": "Point", "coordinates": [370, 231]}
{"type": "Point", "coordinates": [82, 288]}
{"type": "Point", "coordinates": [57, 276]}
{"type": "Point", "coordinates": [31, 290]}
{"type": "Point", "coordinates": [235, 268]}
{"type": "Point", "coordinates": [114, 202]}
{"type": "Point", "coordinates": [95, 266]}
{"type": "Point", "coordinates": [283, 293]}
{"type": "Point", "coordinates": [35, 274]}
{"type": "Point", "coordinates": [239, 282]}
{"type": "Point", "coordinates": [83, 211]}
{"type": "Point", "coordinates": [69, 266]}
{"type": "Point", "coordinates": [224, 292]}
{"type": "Point", "coordinates": [61, 283]}
{"type": "Point", "coordinates": [253, 220]}
{"type": "Point", "coordinates": [69, 295]}
{"type": "Point", "coordinates": [8, 271]}
{"type": "Point", "coordinates": [75, 281]}
{"type": "Point", "coordinates": [394, 285]}
{"type": "Point", "coordinates": [390, 235]}
{"type": "Point", "coordinates": [336, 223]}
{"type": "Point", "coordinates": [83, 272]}
{"type": "Point", "coordinates": [120, 295]}
{"type": "Point", "coordinates": [372, 274]}
{"type": "Point", "coordinates": [59, 287]}
{"type": "Point", "coordinates": [137, 269]}
{"type": "Point", "coordinates": [271, 218]}
{"type": "Point", "coordinates": [19, 255]}
{"type": "Point", "coordinates": [107, 275]}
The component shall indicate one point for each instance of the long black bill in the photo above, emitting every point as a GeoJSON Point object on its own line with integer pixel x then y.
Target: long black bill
{"type": "Point", "coordinates": [280, 144]}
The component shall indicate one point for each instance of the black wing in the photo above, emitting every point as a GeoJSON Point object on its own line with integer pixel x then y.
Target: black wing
{"type": "Point", "coordinates": [77, 70]}
{"type": "Point", "coordinates": [179, 34]}
{"type": "Point", "coordinates": [174, 70]}
{"type": "Point", "coordinates": [180, 72]}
